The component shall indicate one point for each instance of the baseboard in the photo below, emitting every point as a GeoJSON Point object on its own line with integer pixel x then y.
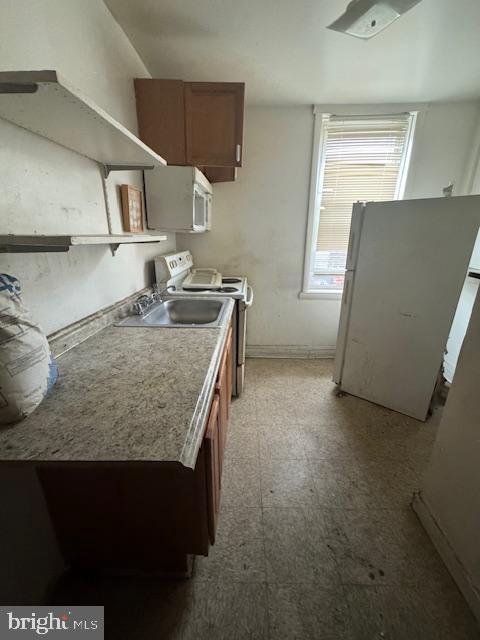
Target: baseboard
{"type": "Point", "coordinates": [453, 563]}
{"type": "Point", "coordinates": [289, 351]}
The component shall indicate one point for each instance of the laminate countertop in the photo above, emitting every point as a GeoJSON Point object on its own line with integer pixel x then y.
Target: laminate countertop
{"type": "Point", "coordinates": [125, 394]}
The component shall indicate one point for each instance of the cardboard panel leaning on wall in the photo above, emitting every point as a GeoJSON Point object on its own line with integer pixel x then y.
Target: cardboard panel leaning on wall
{"type": "Point", "coordinates": [450, 488]}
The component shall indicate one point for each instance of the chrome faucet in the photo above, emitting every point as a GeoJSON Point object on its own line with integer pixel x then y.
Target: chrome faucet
{"type": "Point", "coordinates": [159, 294]}
{"type": "Point", "coordinates": [144, 302]}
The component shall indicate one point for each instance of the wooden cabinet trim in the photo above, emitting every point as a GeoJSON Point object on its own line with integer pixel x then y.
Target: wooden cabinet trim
{"type": "Point", "coordinates": [212, 475]}
{"type": "Point", "coordinates": [223, 389]}
{"type": "Point", "coordinates": [220, 174]}
{"type": "Point", "coordinates": [212, 419]}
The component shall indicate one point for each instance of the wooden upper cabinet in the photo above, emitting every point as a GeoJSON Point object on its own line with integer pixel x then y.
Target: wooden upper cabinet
{"type": "Point", "coordinates": [193, 123]}
{"type": "Point", "coordinates": [214, 123]}
{"type": "Point", "coordinates": [219, 174]}
{"type": "Point", "coordinates": [161, 117]}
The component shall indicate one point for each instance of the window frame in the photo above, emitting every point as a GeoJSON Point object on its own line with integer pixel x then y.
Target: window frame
{"type": "Point", "coordinates": [321, 120]}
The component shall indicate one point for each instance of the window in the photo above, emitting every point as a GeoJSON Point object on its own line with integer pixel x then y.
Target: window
{"type": "Point", "coordinates": [355, 158]}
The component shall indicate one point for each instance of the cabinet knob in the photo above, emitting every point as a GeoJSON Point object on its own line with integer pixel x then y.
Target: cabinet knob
{"type": "Point", "coordinates": [238, 152]}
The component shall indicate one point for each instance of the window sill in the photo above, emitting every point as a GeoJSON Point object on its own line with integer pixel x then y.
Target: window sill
{"type": "Point", "coordinates": [319, 294]}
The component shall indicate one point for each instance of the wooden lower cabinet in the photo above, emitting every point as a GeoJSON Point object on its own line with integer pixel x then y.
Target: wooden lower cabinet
{"type": "Point", "coordinates": [216, 435]}
{"type": "Point", "coordinates": [145, 516]}
{"type": "Point", "coordinates": [141, 516]}
{"type": "Point", "coordinates": [212, 445]}
{"type": "Point", "coordinates": [223, 390]}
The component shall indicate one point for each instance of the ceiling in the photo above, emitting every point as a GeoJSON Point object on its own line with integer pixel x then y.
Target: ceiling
{"type": "Point", "coordinates": [284, 53]}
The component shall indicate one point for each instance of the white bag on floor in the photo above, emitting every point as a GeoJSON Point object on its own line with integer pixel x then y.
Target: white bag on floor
{"type": "Point", "coordinates": [27, 368]}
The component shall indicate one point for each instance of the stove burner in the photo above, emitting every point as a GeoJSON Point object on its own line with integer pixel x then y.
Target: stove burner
{"type": "Point", "coordinates": [230, 280]}
{"type": "Point", "coordinates": [227, 289]}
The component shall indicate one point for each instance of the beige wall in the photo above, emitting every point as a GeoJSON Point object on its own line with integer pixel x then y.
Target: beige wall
{"type": "Point", "coordinates": [442, 149]}
{"type": "Point", "coordinates": [259, 221]}
{"type": "Point", "coordinates": [259, 225]}
{"type": "Point", "coordinates": [48, 189]}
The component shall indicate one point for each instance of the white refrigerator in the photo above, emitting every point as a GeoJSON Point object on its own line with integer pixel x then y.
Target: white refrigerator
{"type": "Point", "coordinates": [406, 265]}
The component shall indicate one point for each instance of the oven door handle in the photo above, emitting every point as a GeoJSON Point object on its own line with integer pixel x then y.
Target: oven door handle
{"type": "Point", "coordinates": [249, 300]}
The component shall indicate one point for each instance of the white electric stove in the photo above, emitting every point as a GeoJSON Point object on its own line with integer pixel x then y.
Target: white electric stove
{"type": "Point", "coordinates": [176, 272]}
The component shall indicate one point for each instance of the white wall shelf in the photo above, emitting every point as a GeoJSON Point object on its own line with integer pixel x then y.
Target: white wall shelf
{"type": "Point", "coordinates": [46, 104]}
{"type": "Point", "coordinates": [40, 243]}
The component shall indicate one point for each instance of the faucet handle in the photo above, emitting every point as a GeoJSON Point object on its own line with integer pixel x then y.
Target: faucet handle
{"type": "Point", "coordinates": [141, 304]}
{"type": "Point", "coordinates": [158, 295]}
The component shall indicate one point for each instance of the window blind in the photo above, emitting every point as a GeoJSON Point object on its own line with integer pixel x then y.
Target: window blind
{"type": "Point", "coordinates": [362, 160]}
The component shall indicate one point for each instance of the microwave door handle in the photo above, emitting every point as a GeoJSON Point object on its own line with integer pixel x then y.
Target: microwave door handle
{"type": "Point", "coordinates": [249, 300]}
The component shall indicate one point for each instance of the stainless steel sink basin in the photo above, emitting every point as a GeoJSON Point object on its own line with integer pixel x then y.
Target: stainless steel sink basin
{"type": "Point", "coordinates": [181, 312]}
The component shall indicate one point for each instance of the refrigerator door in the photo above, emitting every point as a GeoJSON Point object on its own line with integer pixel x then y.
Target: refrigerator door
{"type": "Point", "coordinates": [412, 261]}
{"type": "Point", "coordinates": [352, 255]}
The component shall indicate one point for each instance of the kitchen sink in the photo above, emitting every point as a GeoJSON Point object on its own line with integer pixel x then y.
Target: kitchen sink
{"type": "Point", "coordinates": [180, 312]}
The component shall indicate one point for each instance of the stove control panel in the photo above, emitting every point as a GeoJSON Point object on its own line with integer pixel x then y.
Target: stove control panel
{"type": "Point", "coordinates": [172, 265]}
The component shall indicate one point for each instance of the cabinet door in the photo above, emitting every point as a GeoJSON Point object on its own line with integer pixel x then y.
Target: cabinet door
{"type": "Point", "coordinates": [212, 447]}
{"type": "Point", "coordinates": [214, 123]}
{"type": "Point", "coordinates": [221, 392]}
{"type": "Point", "coordinates": [229, 366]}
{"type": "Point", "coordinates": [161, 117]}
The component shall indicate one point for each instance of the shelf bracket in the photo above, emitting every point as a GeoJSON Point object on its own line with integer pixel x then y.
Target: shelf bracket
{"type": "Point", "coordinates": [114, 247]}
{"type": "Point", "coordinates": [108, 168]}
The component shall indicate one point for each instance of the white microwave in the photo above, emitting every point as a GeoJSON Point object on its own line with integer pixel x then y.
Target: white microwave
{"type": "Point", "coordinates": [178, 199]}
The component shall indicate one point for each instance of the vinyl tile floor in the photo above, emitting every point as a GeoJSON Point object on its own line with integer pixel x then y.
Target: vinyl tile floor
{"type": "Point", "coordinates": [316, 537]}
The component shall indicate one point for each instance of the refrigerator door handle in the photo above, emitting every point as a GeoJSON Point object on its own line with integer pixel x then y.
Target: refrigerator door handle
{"type": "Point", "coordinates": [358, 212]}
{"type": "Point", "coordinates": [249, 300]}
{"type": "Point", "coordinates": [342, 336]}
{"type": "Point", "coordinates": [351, 244]}
{"type": "Point", "coordinates": [345, 292]}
